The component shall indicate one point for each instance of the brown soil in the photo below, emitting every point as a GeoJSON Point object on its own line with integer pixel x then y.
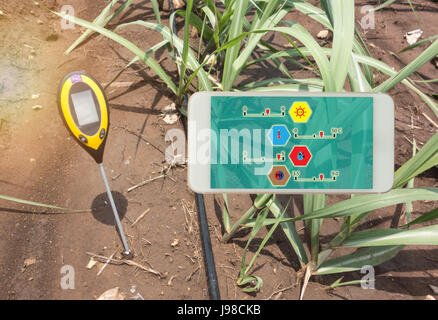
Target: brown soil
{"type": "Point", "coordinates": [40, 162]}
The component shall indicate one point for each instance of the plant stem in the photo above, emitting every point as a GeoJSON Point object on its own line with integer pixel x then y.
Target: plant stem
{"type": "Point", "coordinates": [259, 203]}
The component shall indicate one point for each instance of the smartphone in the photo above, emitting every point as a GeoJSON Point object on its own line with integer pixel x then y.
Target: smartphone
{"type": "Point", "coordinates": [279, 142]}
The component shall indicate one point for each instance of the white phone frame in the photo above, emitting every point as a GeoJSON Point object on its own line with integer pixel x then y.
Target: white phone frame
{"type": "Point", "coordinates": [199, 118]}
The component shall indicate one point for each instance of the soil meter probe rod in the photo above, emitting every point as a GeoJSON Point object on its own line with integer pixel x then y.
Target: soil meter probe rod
{"type": "Point", "coordinates": [83, 106]}
{"type": "Point", "coordinates": [116, 214]}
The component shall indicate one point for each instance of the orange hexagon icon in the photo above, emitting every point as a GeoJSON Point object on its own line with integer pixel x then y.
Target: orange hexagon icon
{"type": "Point", "coordinates": [300, 112]}
{"type": "Point", "coordinates": [279, 176]}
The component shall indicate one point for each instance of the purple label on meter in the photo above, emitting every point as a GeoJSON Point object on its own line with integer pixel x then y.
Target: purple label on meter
{"type": "Point", "coordinates": [76, 78]}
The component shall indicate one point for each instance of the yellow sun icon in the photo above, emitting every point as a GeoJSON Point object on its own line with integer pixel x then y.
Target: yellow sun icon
{"type": "Point", "coordinates": [300, 112]}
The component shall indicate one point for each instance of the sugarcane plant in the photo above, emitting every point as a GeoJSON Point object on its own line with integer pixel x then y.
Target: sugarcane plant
{"type": "Point", "coordinates": [230, 40]}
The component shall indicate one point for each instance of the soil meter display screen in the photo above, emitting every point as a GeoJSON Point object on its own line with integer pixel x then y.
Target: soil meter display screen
{"type": "Point", "coordinates": [292, 143]}
{"type": "Point", "coordinates": [85, 107]}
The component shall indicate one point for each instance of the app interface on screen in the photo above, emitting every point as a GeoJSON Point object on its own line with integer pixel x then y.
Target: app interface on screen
{"type": "Point", "coordinates": [291, 142]}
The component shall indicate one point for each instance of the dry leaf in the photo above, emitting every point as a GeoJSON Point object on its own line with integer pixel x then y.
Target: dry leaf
{"type": "Point", "coordinates": [169, 283]}
{"type": "Point", "coordinates": [141, 216]}
{"type": "Point", "coordinates": [121, 84]}
{"type": "Point", "coordinates": [434, 288]}
{"type": "Point", "coordinates": [112, 294]}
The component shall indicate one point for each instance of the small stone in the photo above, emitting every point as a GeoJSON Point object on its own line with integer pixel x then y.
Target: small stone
{"type": "Point", "coordinates": [37, 107]}
{"type": "Point", "coordinates": [29, 261]}
{"type": "Point", "coordinates": [174, 243]}
{"type": "Point", "coordinates": [413, 36]}
{"type": "Point", "coordinates": [323, 34]}
{"type": "Point", "coordinates": [171, 114]}
{"type": "Point", "coordinates": [429, 297]}
{"type": "Point", "coordinates": [211, 60]}
{"type": "Point", "coordinates": [91, 263]}
{"type": "Point", "coordinates": [177, 4]}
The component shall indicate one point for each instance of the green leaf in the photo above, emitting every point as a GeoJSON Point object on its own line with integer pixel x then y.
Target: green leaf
{"type": "Point", "coordinates": [386, 69]}
{"type": "Point", "coordinates": [127, 44]}
{"type": "Point", "coordinates": [192, 62]}
{"type": "Point", "coordinates": [226, 214]}
{"type": "Point", "coordinates": [134, 60]}
{"type": "Point", "coordinates": [280, 81]}
{"type": "Point", "coordinates": [369, 202]}
{"type": "Point", "coordinates": [387, 237]}
{"type": "Point", "coordinates": [365, 203]}
{"type": "Point", "coordinates": [156, 9]}
{"type": "Point", "coordinates": [418, 43]}
{"type": "Point", "coordinates": [355, 261]}
{"type": "Point", "coordinates": [265, 240]}
{"type": "Point", "coordinates": [227, 45]}
{"type": "Point", "coordinates": [197, 23]}
{"type": "Point", "coordinates": [338, 283]}
{"type": "Point", "coordinates": [289, 230]}
{"type": "Point", "coordinates": [185, 51]}
{"type": "Point", "coordinates": [416, 64]}
{"type": "Point", "coordinates": [299, 32]}
{"type": "Point", "coordinates": [232, 53]}
{"type": "Point", "coordinates": [359, 46]}
{"type": "Point", "coordinates": [425, 159]}
{"type": "Point", "coordinates": [426, 217]}
{"type": "Point", "coordinates": [257, 226]}
{"type": "Point", "coordinates": [312, 203]}
{"type": "Point", "coordinates": [358, 81]}
{"type": "Point", "coordinates": [383, 5]}
{"type": "Point", "coordinates": [242, 281]}
{"type": "Point", "coordinates": [343, 36]}
{"type": "Point", "coordinates": [266, 23]}
{"type": "Point", "coordinates": [288, 88]}
{"type": "Point", "coordinates": [302, 55]}
{"type": "Point", "coordinates": [31, 203]}
{"type": "Point", "coordinates": [102, 20]}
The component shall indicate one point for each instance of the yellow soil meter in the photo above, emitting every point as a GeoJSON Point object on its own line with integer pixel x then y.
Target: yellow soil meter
{"type": "Point", "coordinates": [84, 108]}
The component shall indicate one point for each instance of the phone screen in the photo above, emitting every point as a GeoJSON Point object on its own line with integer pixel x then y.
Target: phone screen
{"type": "Point", "coordinates": [85, 107]}
{"type": "Point", "coordinates": [291, 142]}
